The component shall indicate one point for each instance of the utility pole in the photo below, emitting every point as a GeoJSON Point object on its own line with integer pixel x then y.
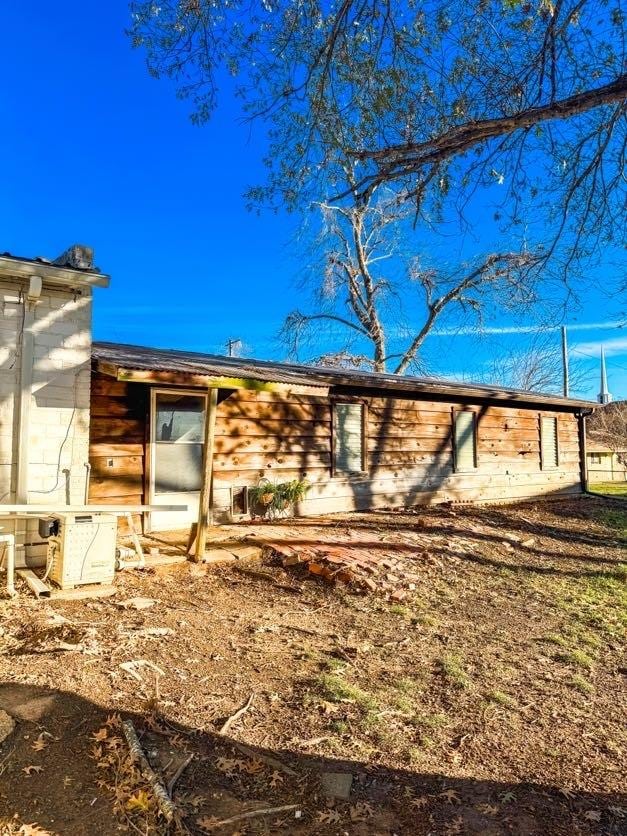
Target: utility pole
{"type": "Point", "coordinates": [232, 346]}
{"type": "Point", "coordinates": [565, 361]}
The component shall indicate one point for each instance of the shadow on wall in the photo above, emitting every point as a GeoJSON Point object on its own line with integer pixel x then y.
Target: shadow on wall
{"type": "Point", "coordinates": [62, 788]}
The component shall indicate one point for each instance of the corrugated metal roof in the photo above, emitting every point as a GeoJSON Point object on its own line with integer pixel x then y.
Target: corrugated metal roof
{"type": "Point", "coordinates": [143, 358]}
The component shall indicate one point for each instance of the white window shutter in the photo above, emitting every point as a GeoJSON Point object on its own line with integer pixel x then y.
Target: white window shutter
{"type": "Point", "coordinates": [548, 442]}
{"type": "Point", "coordinates": [348, 434]}
{"type": "Point", "coordinates": [465, 446]}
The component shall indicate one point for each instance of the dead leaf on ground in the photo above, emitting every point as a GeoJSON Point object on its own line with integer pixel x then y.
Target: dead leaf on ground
{"type": "Point", "coordinates": [450, 796]}
{"type": "Point", "coordinates": [328, 817]}
{"type": "Point", "coordinates": [139, 801]}
{"type": "Point", "coordinates": [101, 734]}
{"type": "Point", "coordinates": [276, 779]}
{"type": "Point", "coordinates": [33, 830]}
{"type": "Point", "coordinates": [361, 811]}
{"type": "Point", "coordinates": [137, 603]}
{"type": "Point", "coordinates": [40, 744]}
{"type": "Point", "coordinates": [208, 823]}
{"type": "Point", "coordinates": [592, 815]}
{"type": "Point", "coordinates": [29, 770]}
{"type": "Point", "coordinates": [421, 802]}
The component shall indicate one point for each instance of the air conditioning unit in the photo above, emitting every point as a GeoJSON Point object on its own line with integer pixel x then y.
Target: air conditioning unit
{"type": "Point", "coordinates": [81, 548]}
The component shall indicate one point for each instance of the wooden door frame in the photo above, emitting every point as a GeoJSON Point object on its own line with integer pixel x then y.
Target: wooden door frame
{"type": "Point", "coordinates": [152, 446]}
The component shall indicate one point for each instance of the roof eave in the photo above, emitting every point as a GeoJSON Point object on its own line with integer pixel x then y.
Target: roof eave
{"type": "Point", "coordinates": [51, 274]}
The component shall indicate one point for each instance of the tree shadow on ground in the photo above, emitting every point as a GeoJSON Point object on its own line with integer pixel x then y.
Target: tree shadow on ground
{"type": "Point", "coordinates": [61, 786]}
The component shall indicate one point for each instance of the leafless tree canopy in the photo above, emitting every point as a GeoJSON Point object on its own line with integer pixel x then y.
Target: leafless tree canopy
{"type": "Point", "coordinates": [437, 104]}
{"type": "Point", "coordinates": [608, 425]}
{"type": "Point", "coordinates": [537, 367]}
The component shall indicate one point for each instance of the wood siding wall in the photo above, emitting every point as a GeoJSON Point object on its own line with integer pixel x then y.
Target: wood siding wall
{"type": "Point", "coordinates": [409, 452]}
{"type": "Point", "coordinates": [117, 435]}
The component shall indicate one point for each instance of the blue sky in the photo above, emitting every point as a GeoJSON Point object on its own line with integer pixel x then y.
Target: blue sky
{"type": "Point", "coordinates": [95, 151]}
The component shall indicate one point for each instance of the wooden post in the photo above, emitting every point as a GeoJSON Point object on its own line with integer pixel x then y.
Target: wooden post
{"type": "Point", "coordinates": [205, 510]}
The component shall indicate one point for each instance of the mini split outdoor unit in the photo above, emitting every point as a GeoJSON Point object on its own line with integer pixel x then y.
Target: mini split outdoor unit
{"type": "Point", "coordinates": [81, 548]}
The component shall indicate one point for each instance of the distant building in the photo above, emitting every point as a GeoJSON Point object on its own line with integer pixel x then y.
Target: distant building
{"type": "Point", "coordinates": [604, 396]}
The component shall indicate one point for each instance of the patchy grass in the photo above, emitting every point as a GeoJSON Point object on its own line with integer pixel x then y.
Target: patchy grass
{"type": "Point", "coordinates": [580, 684]}
{"type": "Point", "coordinates": [615, 518]}
{"type": "Point", "coordinates": [336, 689]}
{"type": "Point", "coordinates": [501, 698]}
{"type": "Point", "coordinates": [452, 668]}
{"type": "Point", "coordinates": [610, 488]}
{"type": "Point", "coordinates": [576, 658]}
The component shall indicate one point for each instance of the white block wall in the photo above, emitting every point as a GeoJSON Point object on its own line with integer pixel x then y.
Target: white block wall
{"type": "Point", "coordinates": [58, 437]}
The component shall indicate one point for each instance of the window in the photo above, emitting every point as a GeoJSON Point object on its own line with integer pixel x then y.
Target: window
{"type": "Point", "coordinates": [595, 458]}
{"type": "Point", "coordinates": [549, 453]}
{"type": "Point", "coordinates": [465, 441]}
{"type": "Point", "coordinates": [178, 427]}
{"type": "Point", "coordinates": [348, 438]}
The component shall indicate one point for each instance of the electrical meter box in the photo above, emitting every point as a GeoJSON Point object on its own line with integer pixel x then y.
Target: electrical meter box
{"type": "Point", "coordinates": [81, 548]}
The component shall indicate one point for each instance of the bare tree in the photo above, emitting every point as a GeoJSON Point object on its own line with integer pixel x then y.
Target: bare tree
{"type": "Point", "coordinates": [360, 303]}
{"type": "Point", "coordinates": [608, 425]}
{"type": "Point", "coordinates": [537, 367]}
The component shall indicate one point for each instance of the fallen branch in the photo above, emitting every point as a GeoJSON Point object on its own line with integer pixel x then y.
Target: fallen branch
{"type": "Point", "coordinates": [264, 811]}
{"type": "Point", "coordinates": [178, 773]}
{"type": "Point", "coordinates": [273, 762]}
{"type": "Point", "coordinates": [234, 717]}
{"type": "Point", "coordinates": [164, 802]}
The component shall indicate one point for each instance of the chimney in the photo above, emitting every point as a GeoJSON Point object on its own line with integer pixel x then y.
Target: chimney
{"type": "Point", "coordinates": [78, 256]}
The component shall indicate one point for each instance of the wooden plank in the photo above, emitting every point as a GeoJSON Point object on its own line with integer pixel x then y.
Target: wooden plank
{"type": "Point", "coordinates": [190, 379]}
{"type": "Point", "coordinates": [107, 407]}
{"type": "Point", "coordinates": [257, 461]}
{"type": "Point", "coordinates": [236, 427]}
{"type": "Point", "coordinates": [291, 394]}
{"type": "Point", "coordinates": [226, 445]}
{"type": "Point", "coordinates": [103, 487]}
{"type": "Point", "coordinates": [113, 467]}
{"type": "Point", "coordinates": [103, 429]}
{"type": "Point", "coordinates": [102, 449]}
{"type": "Point", "coordinates": [101, 385]}
{"type": "Point", "coordinates": [282, 411]}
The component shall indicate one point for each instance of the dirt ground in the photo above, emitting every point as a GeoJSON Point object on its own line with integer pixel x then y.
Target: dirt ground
{"type": "Point", "coordinates": [491, 700]}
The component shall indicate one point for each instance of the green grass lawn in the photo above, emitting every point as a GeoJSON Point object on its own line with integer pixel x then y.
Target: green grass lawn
{"type": "Point", "coordinates": [609, 488]}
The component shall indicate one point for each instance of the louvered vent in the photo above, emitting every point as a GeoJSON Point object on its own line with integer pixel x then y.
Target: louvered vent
{"type": "Point", "coordinates": [548, 442]}
{"type": "Point", "coordinates": [348, 434]}
{"type": "Point", "coordinates": [465, 450]}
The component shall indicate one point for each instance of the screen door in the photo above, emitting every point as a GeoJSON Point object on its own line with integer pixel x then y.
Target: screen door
{"type": "Point", "coordinates": [177, 427]}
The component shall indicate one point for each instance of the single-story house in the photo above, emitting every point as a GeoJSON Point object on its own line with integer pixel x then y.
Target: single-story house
{"type": "Point", "coordinates": [604, 463]}
{"type": "Point", "coordinates": [123, 424]}
{"type": "Point", "coordinates": [361, 440]}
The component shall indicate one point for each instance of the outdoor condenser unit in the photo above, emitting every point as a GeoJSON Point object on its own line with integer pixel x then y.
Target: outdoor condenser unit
{"type": "Point", "coordinates": [81, 548]}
